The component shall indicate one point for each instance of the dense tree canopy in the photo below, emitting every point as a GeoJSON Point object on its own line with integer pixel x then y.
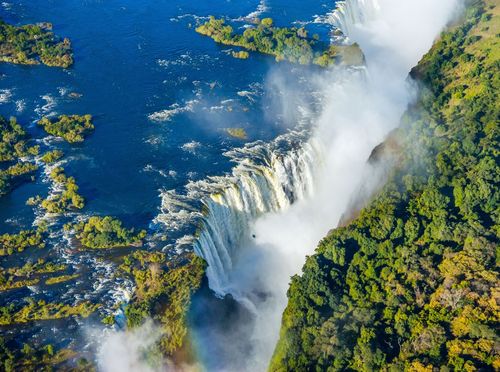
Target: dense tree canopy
{"type": "Point", "coordinates": [33, 44]}
{"type": "Point", "coordinates": [412, 282]}
{"type": "Point", "coordinates": [106, 232]}
{"type": "Point", "coordinates": [72, 128]}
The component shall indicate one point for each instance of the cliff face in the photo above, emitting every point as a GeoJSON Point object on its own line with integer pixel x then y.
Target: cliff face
{"type": "Point", "coordinates": [412, 283]}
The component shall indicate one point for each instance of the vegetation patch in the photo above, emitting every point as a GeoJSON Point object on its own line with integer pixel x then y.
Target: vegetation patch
{"type": "Point", "coordinates": [239, 133]}
{"type": "Point", "coordinates": [27, 275]}
{"type": "Point", "coordinates": [106, 232]}
{"type": "Point", "coordinates": [61, 279]}
{"type": "Point", "coordinates": [43, 358]}
{"type": "Point", "coordinates": [41, 310]}
{"type": "Point", "coordinates": [66, 196]}
{"type": "Point", "coordinates": [6, 284]}
{"type": "Point", "coordinates": [285, 44]}
{"type": "Point", "coordinates": [73, 128]}
{"type": "Point", "coordinates": [52, 156]}
{"type": "Point", "coordinates": [34, 44]}
{"type": "Point", "coordinates": [11, 243]}
{"type": "Point", "coordinates": [163, 293]}
{"type": "Point", "coordinates": [241, 54]}
{"type": "Point", "coordinates": [13, 149]}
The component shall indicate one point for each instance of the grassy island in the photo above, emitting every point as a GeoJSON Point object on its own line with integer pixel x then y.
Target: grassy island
{"type": "Point", "coordinates": [11, 243]}
{"type": "Point", "coordinates": [106, 232]}
{"type": "Point", "coordinates": [26, 275]}
{"type": "Point", "coordinates": [411, 284]}
{"type": "Point", "coordinates": [241, 54]}
{"type": "Point", "coordinates": [40, 358]}
{"type": "Point", "coordinates": [13, 140]}
{"type": "Point", "coordinates": [41, 310]}
{"type": "Point", "coordinates": [34, 44]}
{"type": "Point", "coordinates": [290, 44]}
{"type": "Point", "coordinates": [66, 199]}
{"type": "Point", "coordinates": [61, 279]}
{"type": "Point", "coordinates": [39, 267]}
{"type": "Point", "coordinates": [6, 284]}
{"type": "Point", "coordinates": [13, 148]}
{"type": "Point", "coordinates": [52, 156]}
{"type": "Point", "coordinates": [72, 128]}
{"type": "Point", "coordinates": [239, 133]}
{"type": "Point", "coordinates": [15, 175]}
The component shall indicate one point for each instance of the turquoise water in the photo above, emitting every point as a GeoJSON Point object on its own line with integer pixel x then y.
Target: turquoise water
{"type": "Point", "coordinates": [133, 60]}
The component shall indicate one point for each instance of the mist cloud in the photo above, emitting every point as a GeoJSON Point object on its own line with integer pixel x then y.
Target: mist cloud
{"type": "Point", "coordinates": [127, 351]}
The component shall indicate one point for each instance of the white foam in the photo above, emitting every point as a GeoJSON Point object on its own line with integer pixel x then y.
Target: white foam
{"type": "Point", "coordinates": [20, 105]}
{"type": "Point", "coordinates": [262, 7]}
{"type": "Point", "coordinates": [173, 110]}
{"type": "Point", "coordinates": [5, 95]}
{"type": "Point", "coordinates": [48, 108]}
{"type": "Point", "coordinates": [191, 147]}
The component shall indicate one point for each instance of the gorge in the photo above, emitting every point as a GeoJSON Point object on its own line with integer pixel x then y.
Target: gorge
{"type": "Point", "coordinates": [256, 233]}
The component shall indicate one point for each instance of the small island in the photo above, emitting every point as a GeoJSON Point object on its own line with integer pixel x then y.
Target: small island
{"type": "Point", "coordinates": [34, 44]}
{"type": "Point", "coordinates": [106, 232]}
{"type": "Point", "coordinates": [238, 133]}
{"type": "Point", "coordinates": [22, 276]}
{"type": "Point", "coordinates": [242, 54]}
{"type": "Point", "coordinates": [42, 310]}
{"type": "Point", "coordinates": [12, 140]}
{"type": "Point", "coordinates": [51, 156]}
{"type": "Point", "coordinates": [13, 151]}
{"type": "Point", "coordinates": [285, 44]}
{"type": "Point", "coordinates": [11, 243]}
{"type": "Point", "coordinates": [72, 128]}
{"type": "Point", "coordinates": [15, 175]}
{"type": "Point", "coordinates": [61, 279]}
{"type": "Point", "coordinates": [65, 199]}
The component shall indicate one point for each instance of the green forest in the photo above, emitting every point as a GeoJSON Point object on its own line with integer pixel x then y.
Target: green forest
{"type": "Point", "coordinates": [412, 282]}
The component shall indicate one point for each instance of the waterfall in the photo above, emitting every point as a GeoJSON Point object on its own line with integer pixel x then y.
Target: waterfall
{"type": "Point", "coordinates": [309, 183]}
{"type": "Point", "coordinates": [348, 14]}
{"type": "Point", "coordinates": [270, 185]}
{"type": "Point", "coordinates": [264, 181]}
{"type": "Point", "coordinates": [268, 177]}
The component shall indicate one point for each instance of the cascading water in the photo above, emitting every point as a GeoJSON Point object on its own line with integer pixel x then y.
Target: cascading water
{"type": "Point", "coordinates": [270, 182]}
{"type": "Point", "coordinates": [349, 14]}
{"type": "Point", "coordinates": [267, 178]}
{"type": "Point", "coordinates": [269, 185]}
